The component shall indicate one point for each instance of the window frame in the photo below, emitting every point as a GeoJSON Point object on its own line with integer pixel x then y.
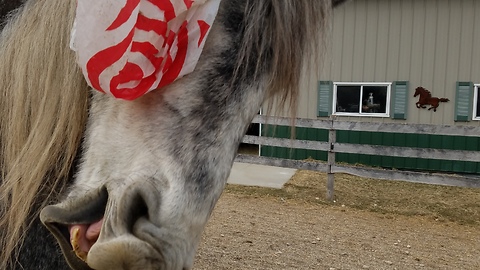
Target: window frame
{"type": "Point", "coordinates": [476, 89]}
{"type": "Point", "coordinates": [362, 84]}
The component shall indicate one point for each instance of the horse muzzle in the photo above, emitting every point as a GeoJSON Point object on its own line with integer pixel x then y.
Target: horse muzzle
{"type": "Point", "coordinates": [117, 228]}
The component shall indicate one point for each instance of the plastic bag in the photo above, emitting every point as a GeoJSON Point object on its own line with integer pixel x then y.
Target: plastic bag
{"type": "Point", "coordinates": [129, 47]}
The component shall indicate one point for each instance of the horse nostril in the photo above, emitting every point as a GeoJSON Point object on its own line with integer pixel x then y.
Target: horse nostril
{"type": "Point", "coordinates": [138, 209]}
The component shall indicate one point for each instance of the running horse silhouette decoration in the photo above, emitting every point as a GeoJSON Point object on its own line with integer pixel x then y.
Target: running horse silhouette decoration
{"type": "Point", "coordinates": [127, 179]}
{"type": "Point", "coordinates": [427, 99]}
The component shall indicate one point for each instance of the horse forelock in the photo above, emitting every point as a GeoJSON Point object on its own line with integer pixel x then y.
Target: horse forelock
{"type": "Point", "coordinates": [289, 43]}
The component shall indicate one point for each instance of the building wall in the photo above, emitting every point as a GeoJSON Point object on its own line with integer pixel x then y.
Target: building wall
{"type": "Point", "coordinates": [430, 43]}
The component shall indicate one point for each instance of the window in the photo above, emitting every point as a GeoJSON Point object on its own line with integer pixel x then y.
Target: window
{"type": "Point", "coordinates": [476, 101]}
{"type": "Point", "coordinates": [361, 99]}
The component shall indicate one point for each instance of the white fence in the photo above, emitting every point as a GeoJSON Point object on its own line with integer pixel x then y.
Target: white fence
{"type": "Point", "coordinates": [332, 147]}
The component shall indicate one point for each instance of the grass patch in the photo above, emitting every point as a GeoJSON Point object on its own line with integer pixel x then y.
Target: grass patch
{"type": "Point", "coordinates": [442, 203]}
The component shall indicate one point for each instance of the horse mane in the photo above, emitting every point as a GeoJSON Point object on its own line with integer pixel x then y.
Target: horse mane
{"type": "Point", "coordinates": [43, 111]}
{"type": "Point", "coordinates": [44, 97]}
{"type": "Point", "coordinates": [426, 91]}
{"type": "Point", "coordinates": [290, 43]}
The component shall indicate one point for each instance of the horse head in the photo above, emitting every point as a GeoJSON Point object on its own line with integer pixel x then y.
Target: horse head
{"type": "Point", "coordinates": [422, 92]}
{"type": "Point", "coordinates": [418, 91]}
{"type": "Point", "coordinates": [151, 169]}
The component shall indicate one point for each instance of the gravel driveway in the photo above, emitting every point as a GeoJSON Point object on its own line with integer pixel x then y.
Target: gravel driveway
{"type": "Point", "coordinates": [271, 233]}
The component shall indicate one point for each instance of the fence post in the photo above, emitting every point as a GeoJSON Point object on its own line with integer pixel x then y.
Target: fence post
{"type": "Point", "coordinates": [332, 138]}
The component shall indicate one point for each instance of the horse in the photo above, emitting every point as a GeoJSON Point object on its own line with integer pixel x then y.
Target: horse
{"type": "Point", "coordinates": [131, 184]}
{"type": "Point", "coordinates": [427, 99]}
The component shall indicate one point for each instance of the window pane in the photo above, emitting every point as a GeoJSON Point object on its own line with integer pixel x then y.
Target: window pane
{"type": "Point", "coordinates": [374, 99]}
{"type": "Point", "coordinates": [348, 98]}
{"type": "Point", "coordinates": [476, 105]}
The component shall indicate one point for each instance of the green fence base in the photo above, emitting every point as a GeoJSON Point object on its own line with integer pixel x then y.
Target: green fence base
{"type": "Point", "coordinates": [377, 138]}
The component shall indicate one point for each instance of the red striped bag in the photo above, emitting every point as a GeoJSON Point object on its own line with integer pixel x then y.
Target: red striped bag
{"type": "Point", "coordinates": [129, 47]}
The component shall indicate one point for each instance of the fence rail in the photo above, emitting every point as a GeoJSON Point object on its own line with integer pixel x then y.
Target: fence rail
{"type": "Point", "coordinates": [332, 147]}
{"type": "Point", "coordinates": [468, 131]}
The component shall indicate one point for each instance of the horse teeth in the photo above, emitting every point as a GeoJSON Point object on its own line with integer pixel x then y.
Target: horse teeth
{"type": "Point", "coordinates": [74, 241]}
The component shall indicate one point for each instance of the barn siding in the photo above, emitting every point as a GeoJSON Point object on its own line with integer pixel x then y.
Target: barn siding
{"type": "Point", "coordinates": [429, 43]}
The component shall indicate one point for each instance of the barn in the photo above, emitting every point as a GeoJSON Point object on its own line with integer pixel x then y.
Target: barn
{"type": "Point", "coordinates": [379, 52]}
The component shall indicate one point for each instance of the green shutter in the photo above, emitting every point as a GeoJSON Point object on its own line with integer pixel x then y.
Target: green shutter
{"type": "Point", "coordinates": [399, 101]}
{"type": "Point", "coordinates": [463, 101]}
{"type": "Point", "coordinates": [325, 90]}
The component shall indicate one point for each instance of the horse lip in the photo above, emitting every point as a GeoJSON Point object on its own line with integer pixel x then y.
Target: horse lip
{"type": "Point", "coordinates": [57, 218]}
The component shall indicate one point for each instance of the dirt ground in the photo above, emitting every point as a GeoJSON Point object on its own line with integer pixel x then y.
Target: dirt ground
{"type": "Point", "coordinates": [261, 230]}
